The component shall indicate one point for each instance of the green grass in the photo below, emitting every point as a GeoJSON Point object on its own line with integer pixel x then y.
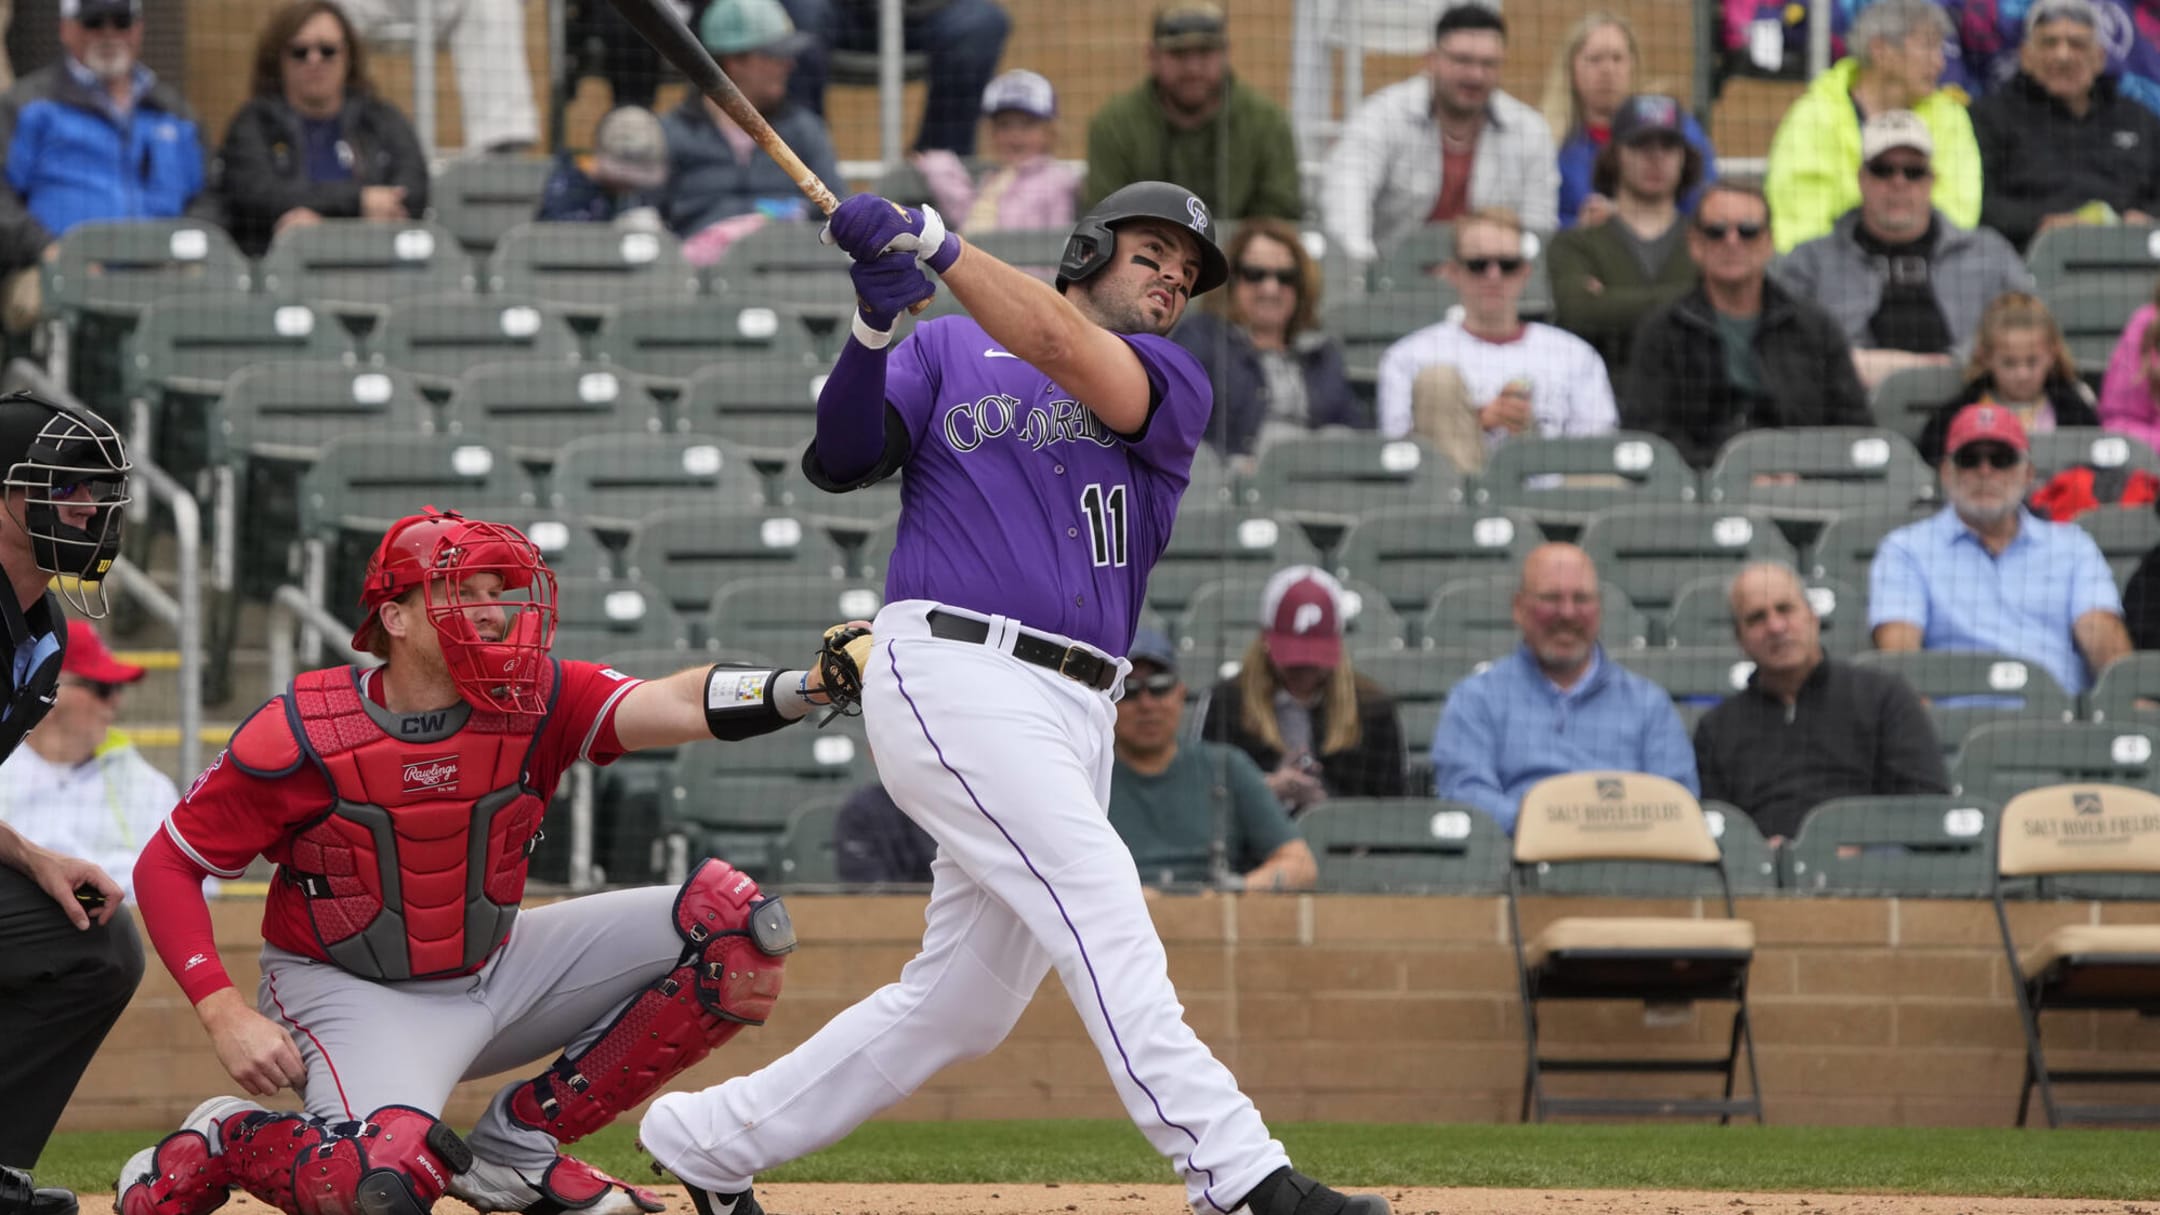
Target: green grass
{"type": "Point", "coordinates": [1993, 1163]}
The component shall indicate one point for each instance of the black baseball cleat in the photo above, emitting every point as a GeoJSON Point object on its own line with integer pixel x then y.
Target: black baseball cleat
{"type": "Point", "coordinates": [21, 1196]}
{"type": "Point", "coordinates": [712, 1202]}
{"type": "Point", "coordinates": [1289, 1192]}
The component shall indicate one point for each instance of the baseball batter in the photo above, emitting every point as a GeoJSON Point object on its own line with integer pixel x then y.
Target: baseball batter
{"type": "Point", "coordinates": [1044, 441]}
{"type": "Point", "coordinates": [400, 805]}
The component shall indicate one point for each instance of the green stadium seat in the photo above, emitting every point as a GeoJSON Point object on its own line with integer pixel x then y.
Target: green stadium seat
{"type": "Point", "coordinates": [1410, 552]}
{"type": "Point", "coordinates": [1966, 690]}
{"type": "Point", "coordinates": [1420, 680]}
{"type": "Point", "coordinates": [2056, 450]}
{"type": "Point", "coordinates": [1478, 614]}
{"type": "Point", "coordinates": [539, 407]}
{"type": "Point", "coordinates": [1405, 846]}
{"type": "Point", "coordinates": [786, 264]}
{"type": "Point", "coordinates": [785, 616]}
{"type": "Point", "coordinates": [673, 340]}
{"type": "Point", "coordinates": [734, 801]}
{"type": "Point", "coordinates": [106, 273]}
{"type": "Point", "coordinates": [1340, 477]}
{"type": "Point", "coordinates": [596, 617]}
{"type": "Point", "coordinates": [1367, 325]}
{"type": "Point", "coordinates": [1920, 845]}
{"type": "Point", "coordinates": [566, 542]}
{"type": "Point", "coordinates": [1908, 397]}
{"type": "Point", "coordinates": [1812, 474]}
{"type": "Point", "coordinates": [766, 402]}
{"type": "Point", "coordinates": [1701, 615]}
{"type": "Point", "coordinates": [1212, 542]}
{"type": "Point", "coordinates": [478, 198]}
{"type": "Point", "coordinates": [2124, 533]}
{"type": "Point", "coordinates": [806, 856]}
{"type": "Point", "coordinates": [2003, 759]}
{"type": "Point", "coordinates": [2125, 256]}
{"type": "Point", "coordinates": [1750, 865]}
{"type": "Point", "coordinates": [436, 339]}
{"type": "Point", "coordinates": [1223, 618]}
{"type": "Point", "coordinates": [1562, 482]}
{"type": "Point", "coordinates": [2093, 310]}
{"type": "Point", "coordinates": [1844, 551]}
{"type": "Point", "coordinates": [614, 481]}
{"type": "Point", "coordinates": [1653, 551]}
{"type": "Point", "coordinates": [360, 268]}
{"type": "Point", "coordinates": [1696, 679]}
{"type": "Point", "coordinates": [692, 552]}
{"type": "Point", "coordinates": [2128, 691]}
{"type": "Point", "coordinates": [589, 270]}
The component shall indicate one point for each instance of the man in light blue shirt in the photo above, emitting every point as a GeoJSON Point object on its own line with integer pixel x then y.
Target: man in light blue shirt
{"type": "Point", "coordinates": [1557, 704]}
{"type": "Point", "coordinates": [1986, 575]}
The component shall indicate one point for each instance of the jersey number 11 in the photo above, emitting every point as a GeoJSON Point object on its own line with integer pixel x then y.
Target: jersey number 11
{"type": "Point", "coordinates": [1105, 510]}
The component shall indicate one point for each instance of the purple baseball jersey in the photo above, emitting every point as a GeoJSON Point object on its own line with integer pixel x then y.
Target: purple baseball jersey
{"type": "Point", "coordinates": [1016, 500]}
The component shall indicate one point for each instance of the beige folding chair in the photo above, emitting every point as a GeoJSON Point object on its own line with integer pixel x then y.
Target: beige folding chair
{"type": "Point", "coordinates": [2109, 835]}
{"type": "Point", "coordinates": [1629, 817]}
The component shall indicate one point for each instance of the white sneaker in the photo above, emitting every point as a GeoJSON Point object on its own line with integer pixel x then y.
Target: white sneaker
{"type": "Point", "coordinates": [569, 1184]}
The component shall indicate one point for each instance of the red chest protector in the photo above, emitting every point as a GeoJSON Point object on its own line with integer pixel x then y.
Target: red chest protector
{"type": "Point", "coordinates": [416, 868]}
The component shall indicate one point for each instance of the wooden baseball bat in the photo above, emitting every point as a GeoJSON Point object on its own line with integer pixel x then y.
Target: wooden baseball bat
{"type": "Point", "coordinates": [658, 25]}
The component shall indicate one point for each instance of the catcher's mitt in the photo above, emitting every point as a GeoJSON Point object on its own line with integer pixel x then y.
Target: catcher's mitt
{"type": "Point", "coordinates": [840, 666]}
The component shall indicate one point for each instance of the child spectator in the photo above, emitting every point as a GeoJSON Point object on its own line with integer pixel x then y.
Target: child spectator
{"type": "Point", "coordinates": [620, 182]}
{"type": "Point", "coordinates": [2019, 361]}
{"type": "Point", "coordinates": [1027, 188]}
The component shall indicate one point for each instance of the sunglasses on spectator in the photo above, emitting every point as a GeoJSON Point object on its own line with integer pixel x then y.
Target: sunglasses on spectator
{"type": "Point", "coordinates": [113, 21]}
{"type": "Point", "coordinates": [97, 688]}
{"type": "Point", "coordinates": [1718, 232]}
{"type": "Point", "coordinates": [1486, 265]}
{"type": "Point", "coordinates": [325, 51]}
{"type": "Point", "coordinates": [1884, 172]}
{"type": "Point", "coordinates": [1995, 457]}
{"type": "Point", "coordinates": [1260, 274]}
{"type": "Point", "coordinates": [1161, 684]}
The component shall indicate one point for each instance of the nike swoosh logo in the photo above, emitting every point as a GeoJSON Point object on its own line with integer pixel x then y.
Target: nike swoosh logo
{"type": "Point", "coordinates": [995, 353]}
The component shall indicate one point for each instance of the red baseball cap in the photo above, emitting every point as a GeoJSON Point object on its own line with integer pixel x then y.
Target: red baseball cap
{"type": "Point", "coordinates": [1986, 424]}
{"type": "Point", "coordinates": [1301, 618]}
{"type": "Point", "coordinates": [87, 657]}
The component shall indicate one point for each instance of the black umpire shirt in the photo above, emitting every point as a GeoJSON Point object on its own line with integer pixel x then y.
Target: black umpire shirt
{"type": "Point", "coordinates": [1853, 731]}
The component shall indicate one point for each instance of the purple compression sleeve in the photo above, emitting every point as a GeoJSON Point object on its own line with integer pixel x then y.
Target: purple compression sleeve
{"type": "Point", "coordinates": [851, 413]}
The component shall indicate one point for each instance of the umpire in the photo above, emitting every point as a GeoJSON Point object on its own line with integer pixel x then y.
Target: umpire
{"type": "Point", "coordinates": [69, 955]}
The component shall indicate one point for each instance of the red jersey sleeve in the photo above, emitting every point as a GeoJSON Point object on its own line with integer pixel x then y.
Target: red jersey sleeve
{"type": "Point", "coordinates": [230, 816]}
{"type": "Point", "coordinates": [582, 723]}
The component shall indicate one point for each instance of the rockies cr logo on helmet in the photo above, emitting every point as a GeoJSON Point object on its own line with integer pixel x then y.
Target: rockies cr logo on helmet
{"type": "Point", "coordinates": [1094, 238]}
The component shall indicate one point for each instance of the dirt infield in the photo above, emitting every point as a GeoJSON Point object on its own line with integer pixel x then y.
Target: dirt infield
{"type": "Point", "coordinates": [1168, 1200]}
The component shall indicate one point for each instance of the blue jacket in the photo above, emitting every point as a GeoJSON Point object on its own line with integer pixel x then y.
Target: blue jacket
{"type": "Point", "coordinates": [69, 159]}
{"type": "Point", "coordinates": [1506, 728]}
{"type": "Point", "coordinates": [1578, 157]}
{"type": "Point", "coordinates": [707, 183]}
{"type": "Point", "coordinates": [1241, 399]}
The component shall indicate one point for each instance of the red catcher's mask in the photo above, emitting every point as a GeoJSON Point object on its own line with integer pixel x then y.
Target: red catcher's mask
{"type": "Point", "coordinates": [439, 553]}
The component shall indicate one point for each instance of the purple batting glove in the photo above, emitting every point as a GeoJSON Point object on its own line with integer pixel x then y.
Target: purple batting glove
{"type": "Point", "coordinates": [887, 286]}
{"type": "Point", "coordinates": [866, 227]}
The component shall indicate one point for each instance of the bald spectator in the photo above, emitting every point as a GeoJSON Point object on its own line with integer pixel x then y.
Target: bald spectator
{"type": "Point", "coordinates": [1555, 705]}
{"type": "Point", "coordinates": [1986, 574]}
{"type": "Point", "coordinates": [1807, 729]}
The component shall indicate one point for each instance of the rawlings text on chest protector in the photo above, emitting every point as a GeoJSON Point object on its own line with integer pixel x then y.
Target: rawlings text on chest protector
{"type": "Point", "coordinates": [417, 869]}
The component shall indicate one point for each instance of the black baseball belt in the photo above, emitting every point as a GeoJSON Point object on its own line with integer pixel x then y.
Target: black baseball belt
{"type": "Point", "coordinates": [1071, 661]}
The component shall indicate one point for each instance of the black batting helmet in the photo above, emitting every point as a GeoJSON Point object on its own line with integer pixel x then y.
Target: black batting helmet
{"type": "Point", "coordinates": [1094, 238]}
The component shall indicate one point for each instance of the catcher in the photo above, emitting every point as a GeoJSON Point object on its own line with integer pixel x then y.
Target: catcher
{"type": "Point", "coordinates": [400, 805]}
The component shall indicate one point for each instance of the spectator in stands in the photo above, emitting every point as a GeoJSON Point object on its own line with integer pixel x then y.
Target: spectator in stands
{"type": "Point", "coordinates": [1986, 574]}
{"type": "Point", "coordinates": [1027, 187]}
{"type": "Point", "coordinates": [94, 136]}
{"type": "Point", "coordinates": [1174, 805]}
{"type": "Point", "coordinates": [314, 142]}
{"type": "Point", "coordinates": [1606, 275]}
{"type": "Point", "coordinates": [2130, 391]}
{"type": "Point", "coordinates": [1897, 56]}
{"type": "Point", "coordinates": [1557, 704]}
{"type": "Point", "coordinates": [1432, 148]}
{"type": "Point", "coordinates": [487, 50]}
{"type": "Point", "coordinates": [721, 185]}
{"type": "Point", "coordinates": [963, 40]}
{"type": "Point", "coordinates": [1298, 707]}
{"type": "Point", "coordinates": [78, 785]}
{"type": "Point", "coordinates": [1738, 352]}
{"type": "Point", "coordinates": [1591, 77]}
{"type": "Point", "coordinates": [876, 843]}
{"type": "Point", "coordinates": [2061, 143]}
{"type": "Point", "coordinates": [2021, 363]}
{"type": "Point", "coordinates": [1807, 729]}
{"type": "Point", "coordinates": [622, 181]}
{"type": "Point", "coordinates": [1192, 121]}
{"type": "Point", "coordinates": [1905, 283]}
{"type": "Point", "coordinates": [1469, 385]}
{"type": "Point", "coordinates": [1274, 372]}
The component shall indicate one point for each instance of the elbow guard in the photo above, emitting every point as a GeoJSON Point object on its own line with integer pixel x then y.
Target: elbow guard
{"type": "Point", "coordinates": [739, 703]}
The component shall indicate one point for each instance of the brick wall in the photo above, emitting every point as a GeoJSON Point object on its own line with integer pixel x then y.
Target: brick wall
{"type": "Point", "coordinates": [1356, 1008]}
